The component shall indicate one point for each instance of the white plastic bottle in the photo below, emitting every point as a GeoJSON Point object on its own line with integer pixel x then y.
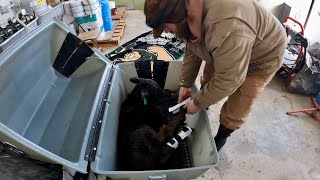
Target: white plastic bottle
{"type": "Point", "coordinates": [38, 6]}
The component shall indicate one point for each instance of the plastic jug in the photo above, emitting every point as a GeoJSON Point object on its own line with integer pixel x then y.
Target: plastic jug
{"type": "Point", "coordinates": [106, 15]}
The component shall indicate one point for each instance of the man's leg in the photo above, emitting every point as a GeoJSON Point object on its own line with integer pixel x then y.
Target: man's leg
{"type": "Point", "coordinates": [238, 106]}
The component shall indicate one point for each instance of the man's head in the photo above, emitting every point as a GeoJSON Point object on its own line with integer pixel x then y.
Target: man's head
{"type": "Point", "coordinates": [167, 15]}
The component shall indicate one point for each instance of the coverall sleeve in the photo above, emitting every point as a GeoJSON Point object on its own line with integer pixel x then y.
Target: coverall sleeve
{"type": "Point", "coordinates": [231, 57]}
{"type": "Point", "coordinates": [190, 69]}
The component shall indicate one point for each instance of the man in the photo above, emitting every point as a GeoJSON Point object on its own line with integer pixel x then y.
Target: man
{"type": "Point", "coordinates": [241, 43]}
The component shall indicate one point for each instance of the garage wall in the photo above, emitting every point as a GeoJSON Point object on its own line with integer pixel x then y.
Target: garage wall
{"type": "Point", "coordinates": [313, 28]}
{"type": "Point", "coordinates": [299, 11]}
{"type": "Point", "coordinates": [299, 8]}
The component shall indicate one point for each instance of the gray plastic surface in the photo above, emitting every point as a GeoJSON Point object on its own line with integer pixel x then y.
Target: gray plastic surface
{"type": "Point", "coordinates": [54, 11]}
{"type": "Point", "coordinates": [201, 143]}
{"type": "Point", "coordinates": [50, 117]}
{"type": "Point", "coordinates": [42, 112]}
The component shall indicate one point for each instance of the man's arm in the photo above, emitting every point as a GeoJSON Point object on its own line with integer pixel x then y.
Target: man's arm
{"type": "Point", "coordinates": [231, 61]}
{"type": "Point", "coordinates": [190, 69]}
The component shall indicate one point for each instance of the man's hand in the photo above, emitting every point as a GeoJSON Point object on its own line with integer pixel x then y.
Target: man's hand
{"type": "Point", "coordinates": [191, 107]}
{"type": "Point", "coordinates": [184, 93]}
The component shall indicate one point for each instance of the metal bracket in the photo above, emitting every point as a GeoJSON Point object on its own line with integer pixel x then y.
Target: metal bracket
{"type": "Point", "coordinates": [98, 117]}
{"type": "Point", "coordinates": [158, 177]}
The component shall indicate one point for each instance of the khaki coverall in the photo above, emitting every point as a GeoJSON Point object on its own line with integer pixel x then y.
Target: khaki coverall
{"type": "Point", "coordinates": [242, 44]}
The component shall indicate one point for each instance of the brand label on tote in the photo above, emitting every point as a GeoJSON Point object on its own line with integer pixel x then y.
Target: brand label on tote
{"type": "Point", "coordinates": [40, 1]}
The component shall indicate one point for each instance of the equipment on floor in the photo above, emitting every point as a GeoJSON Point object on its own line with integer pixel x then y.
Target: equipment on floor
{"type": "Point", "coordinates": [312, 112]}
{"type": "Point", "coordinates": [295, 54]}
{"type": "Point", "coordinates": [307, 80]}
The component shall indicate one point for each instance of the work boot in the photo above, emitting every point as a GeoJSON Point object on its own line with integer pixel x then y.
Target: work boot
{"type": "Point", "coordinates": [221, 137]}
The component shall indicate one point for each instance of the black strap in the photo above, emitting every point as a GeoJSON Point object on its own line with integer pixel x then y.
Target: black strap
{"type": "Point", "coordinates": [72, 55]}
{"type": "Point", "coordinates": [159, 74]}
{"type": "Point", "coordinates": [178, 138]}
{"type": "Point", "coordinates": [143, 69]}
{"type": "Point", "coordinates": [160, 71]}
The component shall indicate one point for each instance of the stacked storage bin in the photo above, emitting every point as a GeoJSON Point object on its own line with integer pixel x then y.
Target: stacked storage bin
{"type": "Point", "coordinates": [87, 13]}
{"type": "Point", "coordinates": [38, 6]}
{"type": "Point", "coordinates": [92, 9]}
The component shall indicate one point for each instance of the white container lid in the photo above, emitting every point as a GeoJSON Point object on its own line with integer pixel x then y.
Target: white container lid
{"type": "Point", "coordinates": [112, 4]}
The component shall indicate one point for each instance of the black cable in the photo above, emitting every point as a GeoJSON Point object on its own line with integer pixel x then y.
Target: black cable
{"type": "Point", "coordinates": [289, 59]}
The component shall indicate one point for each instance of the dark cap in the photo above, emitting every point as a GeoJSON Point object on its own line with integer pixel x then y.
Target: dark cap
{"type": "Point", "coordinates": [158, 12]}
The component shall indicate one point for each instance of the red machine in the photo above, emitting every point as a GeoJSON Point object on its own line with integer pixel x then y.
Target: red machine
{"type": "Point", "coordinates": [295, 53]}
{"type": "Point", "coordinates": [298, 46]}
{"type": "Point", "coordinates": [312, 112]}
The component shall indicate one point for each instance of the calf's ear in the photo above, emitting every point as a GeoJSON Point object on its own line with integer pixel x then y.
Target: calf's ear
{"type": "Point", "coordinates": [135, 80]}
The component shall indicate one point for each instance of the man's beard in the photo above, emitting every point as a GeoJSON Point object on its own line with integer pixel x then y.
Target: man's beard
{"type": "Point", "coordinates": [183, 30]}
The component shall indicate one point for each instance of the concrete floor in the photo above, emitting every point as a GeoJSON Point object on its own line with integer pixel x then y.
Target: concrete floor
{"type": "Point", "coordinates": [272, 144]}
